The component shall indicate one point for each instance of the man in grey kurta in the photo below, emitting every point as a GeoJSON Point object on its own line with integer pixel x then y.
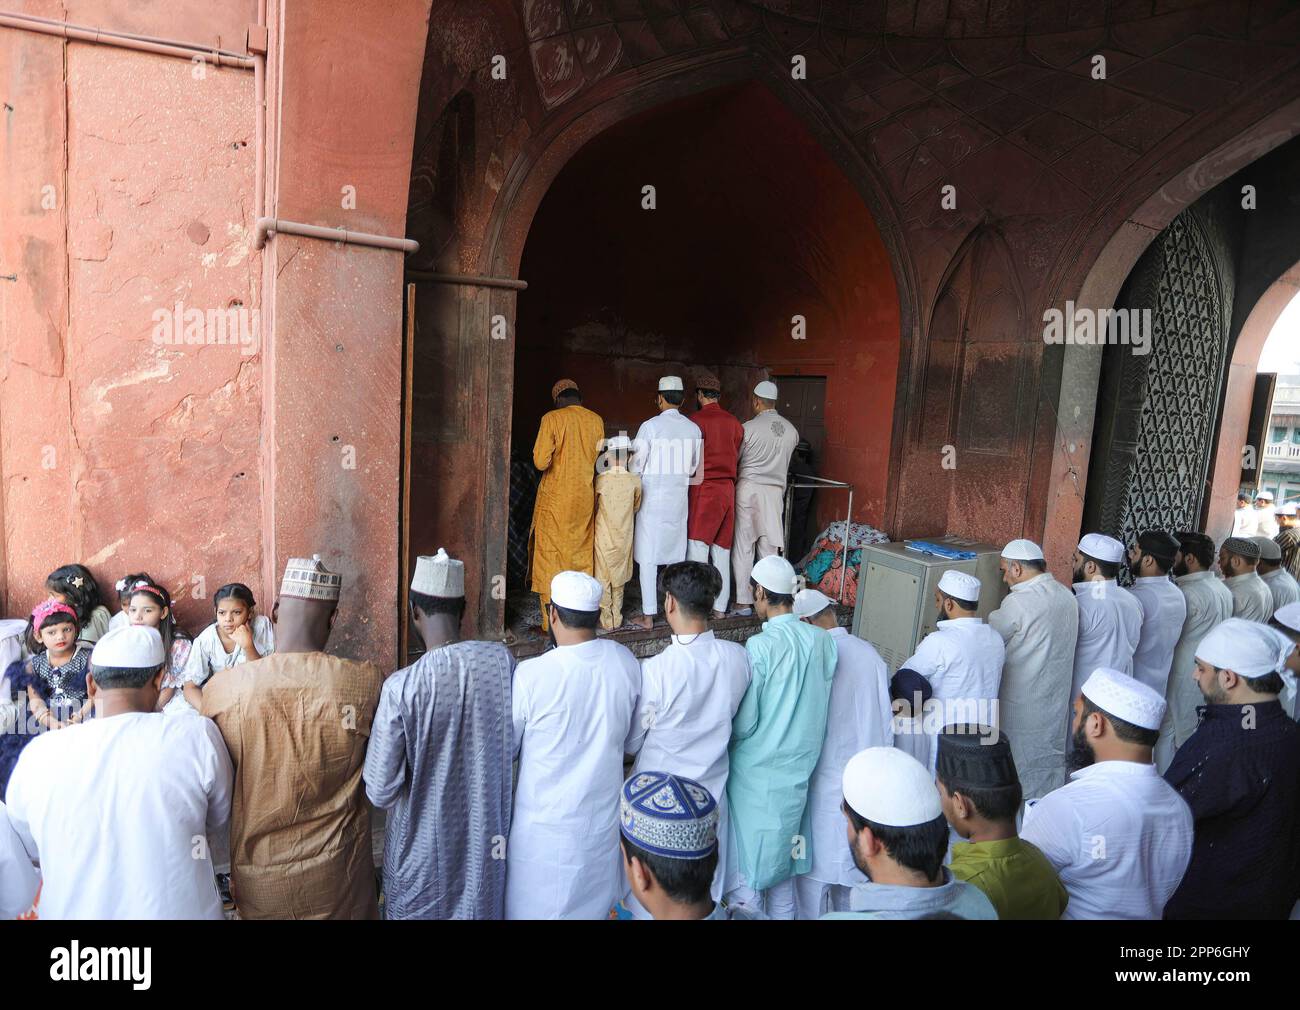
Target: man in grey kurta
{"type": "Point", "coordinates": [1209, 601]}
{"type": "Point", "coordinates": [1039, 624]}
{"type": "Point", "coordinates": [439, 762]}
{"type": "Point", "coordinates": [1239, 561]}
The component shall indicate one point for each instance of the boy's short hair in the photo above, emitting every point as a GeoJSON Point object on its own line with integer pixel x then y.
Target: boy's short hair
{"type": "Point", "coordinates": [694, 585]}
{"type": "Point", "coordinates": [123, 678]}
{"type": "Point", "coordinates": [430, 605]}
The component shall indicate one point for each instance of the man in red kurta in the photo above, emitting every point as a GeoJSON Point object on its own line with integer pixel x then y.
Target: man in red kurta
{"type": "Point", "coordinates": [711, 525]}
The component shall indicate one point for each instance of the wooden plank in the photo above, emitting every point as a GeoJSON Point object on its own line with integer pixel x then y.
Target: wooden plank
{"type": "Point", "coordinates": [404, 522]}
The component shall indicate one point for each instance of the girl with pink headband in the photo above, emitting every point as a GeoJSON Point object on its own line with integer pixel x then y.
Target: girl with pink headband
{"type": "Point", "coordinates": [51, 683]}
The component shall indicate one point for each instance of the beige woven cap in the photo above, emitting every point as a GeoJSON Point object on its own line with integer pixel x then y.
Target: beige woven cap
{"type": "Point", "coordinates": [308, 579]}
{"type": "Point", "coordinates": [439, 575]}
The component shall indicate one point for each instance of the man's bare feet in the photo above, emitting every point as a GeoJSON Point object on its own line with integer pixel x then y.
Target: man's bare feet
{"type": "Point", "coordinates": [644, 621]}
{"type": "Point", "coordinates": [718, 615]}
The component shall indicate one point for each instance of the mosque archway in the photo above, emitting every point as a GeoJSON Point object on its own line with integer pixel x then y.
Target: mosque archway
{"type": "Point", "coordinates": [712, 231]}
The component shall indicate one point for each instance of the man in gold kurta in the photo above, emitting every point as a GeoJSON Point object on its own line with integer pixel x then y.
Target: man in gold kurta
{"type": "Point", "coordinates": [296, 724]}
{"type": "Point", "coordinates": [618, 496]}
{"type": "Point", "coordinates": [568, 442]}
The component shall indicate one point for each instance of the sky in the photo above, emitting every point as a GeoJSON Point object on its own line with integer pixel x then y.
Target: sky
{"type": "Point", "coordinates": [1282, 349]}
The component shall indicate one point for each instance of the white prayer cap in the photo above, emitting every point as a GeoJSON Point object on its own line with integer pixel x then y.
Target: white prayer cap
{"type": "Point", "coordinates": [132, 646]}
{"type": "Point", "coordinates": [618, 442]}
{"type": "Point", "coordinates": [1264, 496]}
{"type": "Point", "coordinates": [1247, 648]}
{"type": "Point", "coordinates": [1119, 695]}
{"type": "Point", "coordinates": [775, 574]}
{"type": "Point", "coordinates": [1288, 509]}
{"type": "Point", "coordinates": [439, 575]}
{"type": "Point", "coordinates": [765, 390]}
{"type": "Point", "coordinates": [1268, 550]}
{"type": "Point", "coordinates": [1101, 547]}
{"type": "Point", "coordinates": [1022, 550]}
{"type": "Point", "coordinates": [575, 591]}
{"type": "Point", "coordinates": [808, 602]}
{"type": "Point", "coordinates": [961, 585]}
{"type": "Point", "coordinates": [1288, 616]}
{"type": "Point", "coordinates": [671, 382]}
{"type": "Point", "coordinates": [888, 786]}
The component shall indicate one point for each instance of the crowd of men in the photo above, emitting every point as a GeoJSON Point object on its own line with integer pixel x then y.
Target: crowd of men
{"type": "Point", "coordinates": [1144, 763]}
{"type": "Point", "coordinates": [703, 488]}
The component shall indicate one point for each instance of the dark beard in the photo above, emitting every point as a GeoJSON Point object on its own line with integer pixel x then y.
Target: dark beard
{"type": "Point", "coordinates": [1082, 755]}
{"type": "Point", "coordinates": [1217, 697]}
{"type": "Point", "coordinates": [1180, 569]}
{"type": "Point", "coordinates": [1135, 568]}
{"type": "Point", "coordinates": [1079, 575]}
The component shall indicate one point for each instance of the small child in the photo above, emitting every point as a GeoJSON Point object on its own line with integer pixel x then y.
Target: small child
{"type": "Point", "coordinates": [238, 635]}
{"type": "Point", "coordinates": [75, 586]}
{"type": "Point", "coordinates": [979, 789]}
{"type": "Point", "coordinates": [55, 675]}
{"type": "Point", "coordinates": [618, 496]}
{"type": "Point", "coordinates": [124, 589]}
{"type": "Point", "coordinates": [151, 606]}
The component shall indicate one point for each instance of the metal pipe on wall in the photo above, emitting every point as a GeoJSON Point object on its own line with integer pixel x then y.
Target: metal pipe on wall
{"type": "Point", "coordinates": [266, 225]}
{"type": "Point", "coordinates": [425, 276]}
{"type": "Point", "coordinates": [123, 40]}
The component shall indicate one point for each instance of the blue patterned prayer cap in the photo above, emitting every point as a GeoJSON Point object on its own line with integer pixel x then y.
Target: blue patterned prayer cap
{"type": "Point", "coordinates": [669, 816]}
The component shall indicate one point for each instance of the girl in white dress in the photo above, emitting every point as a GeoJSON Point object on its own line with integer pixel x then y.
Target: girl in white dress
{"type": "Point", "coordinates": [238, 635]}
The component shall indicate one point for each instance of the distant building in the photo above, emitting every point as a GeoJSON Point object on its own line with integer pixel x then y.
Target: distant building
{"type": "Point", "coordinates": [1281, 473]}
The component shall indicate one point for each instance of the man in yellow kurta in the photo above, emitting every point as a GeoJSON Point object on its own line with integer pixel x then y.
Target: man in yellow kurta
{"type": "Point", "coordinates": [562, 537]}
{"type": "Point", "coordinates": [618, 496]}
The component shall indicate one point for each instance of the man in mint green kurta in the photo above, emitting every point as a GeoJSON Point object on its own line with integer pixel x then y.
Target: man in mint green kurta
{"type": "Point", "coordinates": [777, 737]}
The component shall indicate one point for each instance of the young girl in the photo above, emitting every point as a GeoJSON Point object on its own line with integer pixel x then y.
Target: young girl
{"type": "Point", "coordinates": [124, 589]}
{"type": "Point", "coordinates": [56, 671]}
{"type": "Point", "coordinates": [75, 586]}
{"type": "Point", "coordinates": [151, 606]}
{"type": "Point", "coordinates": [238, 635]}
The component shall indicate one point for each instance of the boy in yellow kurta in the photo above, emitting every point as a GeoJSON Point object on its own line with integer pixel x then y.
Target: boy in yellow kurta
{"type": "Point", "coordinates": [568, 442]}
{"type": "Point", "coordinates": [618, 496]}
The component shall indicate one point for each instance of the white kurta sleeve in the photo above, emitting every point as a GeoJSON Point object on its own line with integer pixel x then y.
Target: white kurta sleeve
{"type": "Point", "coordinates": [221, 784]}
{"type": "Point", "coordinates": [928, 659]}
{"type": "Point", "coordinates": [1006, 620]}
{"type": "Point", "coordinates": [1050, 825]}
{"type": "Point", "coordinates": [519, 709]}
{"type": "Point", "coordinates": [18, 879]}
{"type": "Point", "coordinates": [643, 715]}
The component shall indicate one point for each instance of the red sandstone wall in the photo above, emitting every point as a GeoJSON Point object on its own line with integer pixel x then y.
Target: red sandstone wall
{"type": "Point", "coordinates": [116, 451]}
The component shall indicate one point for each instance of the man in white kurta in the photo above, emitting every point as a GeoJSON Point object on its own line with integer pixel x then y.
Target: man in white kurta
{"type": "Point", "coordinates": [690, 692]}
{"type": "Point", "coordinates": [1118, 834]}
{"type": "Point", "coordinates": [1039, 624]}
{"type": "Point", "coordinates": [1243, 519]}
{"type": "Point", "coordinates": [1110, 617]}
{"type": "Point", "coordinates": [761, 474]}
{"type": "Point", "coordinates": [1239, 562]}
{"type": "Point", "coordinates": [1281, 584]}
{"type": "Point", "coordinates": [573, 709]}
{"type": "Point", "coordinates": [1208, 603]}
{"type": "Point", "coordinates": [667, 452]}
{"type": "Point", "coordinates": [1163, 607]}
{"type": "Point", "coordinates": [1265, 515]}
{"type": "Point", "coordinates": [116, 810]}
{"type": "Point", "coordinates": [956, 671]}
{"type": "Point", "coordinates": [858, 717]}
